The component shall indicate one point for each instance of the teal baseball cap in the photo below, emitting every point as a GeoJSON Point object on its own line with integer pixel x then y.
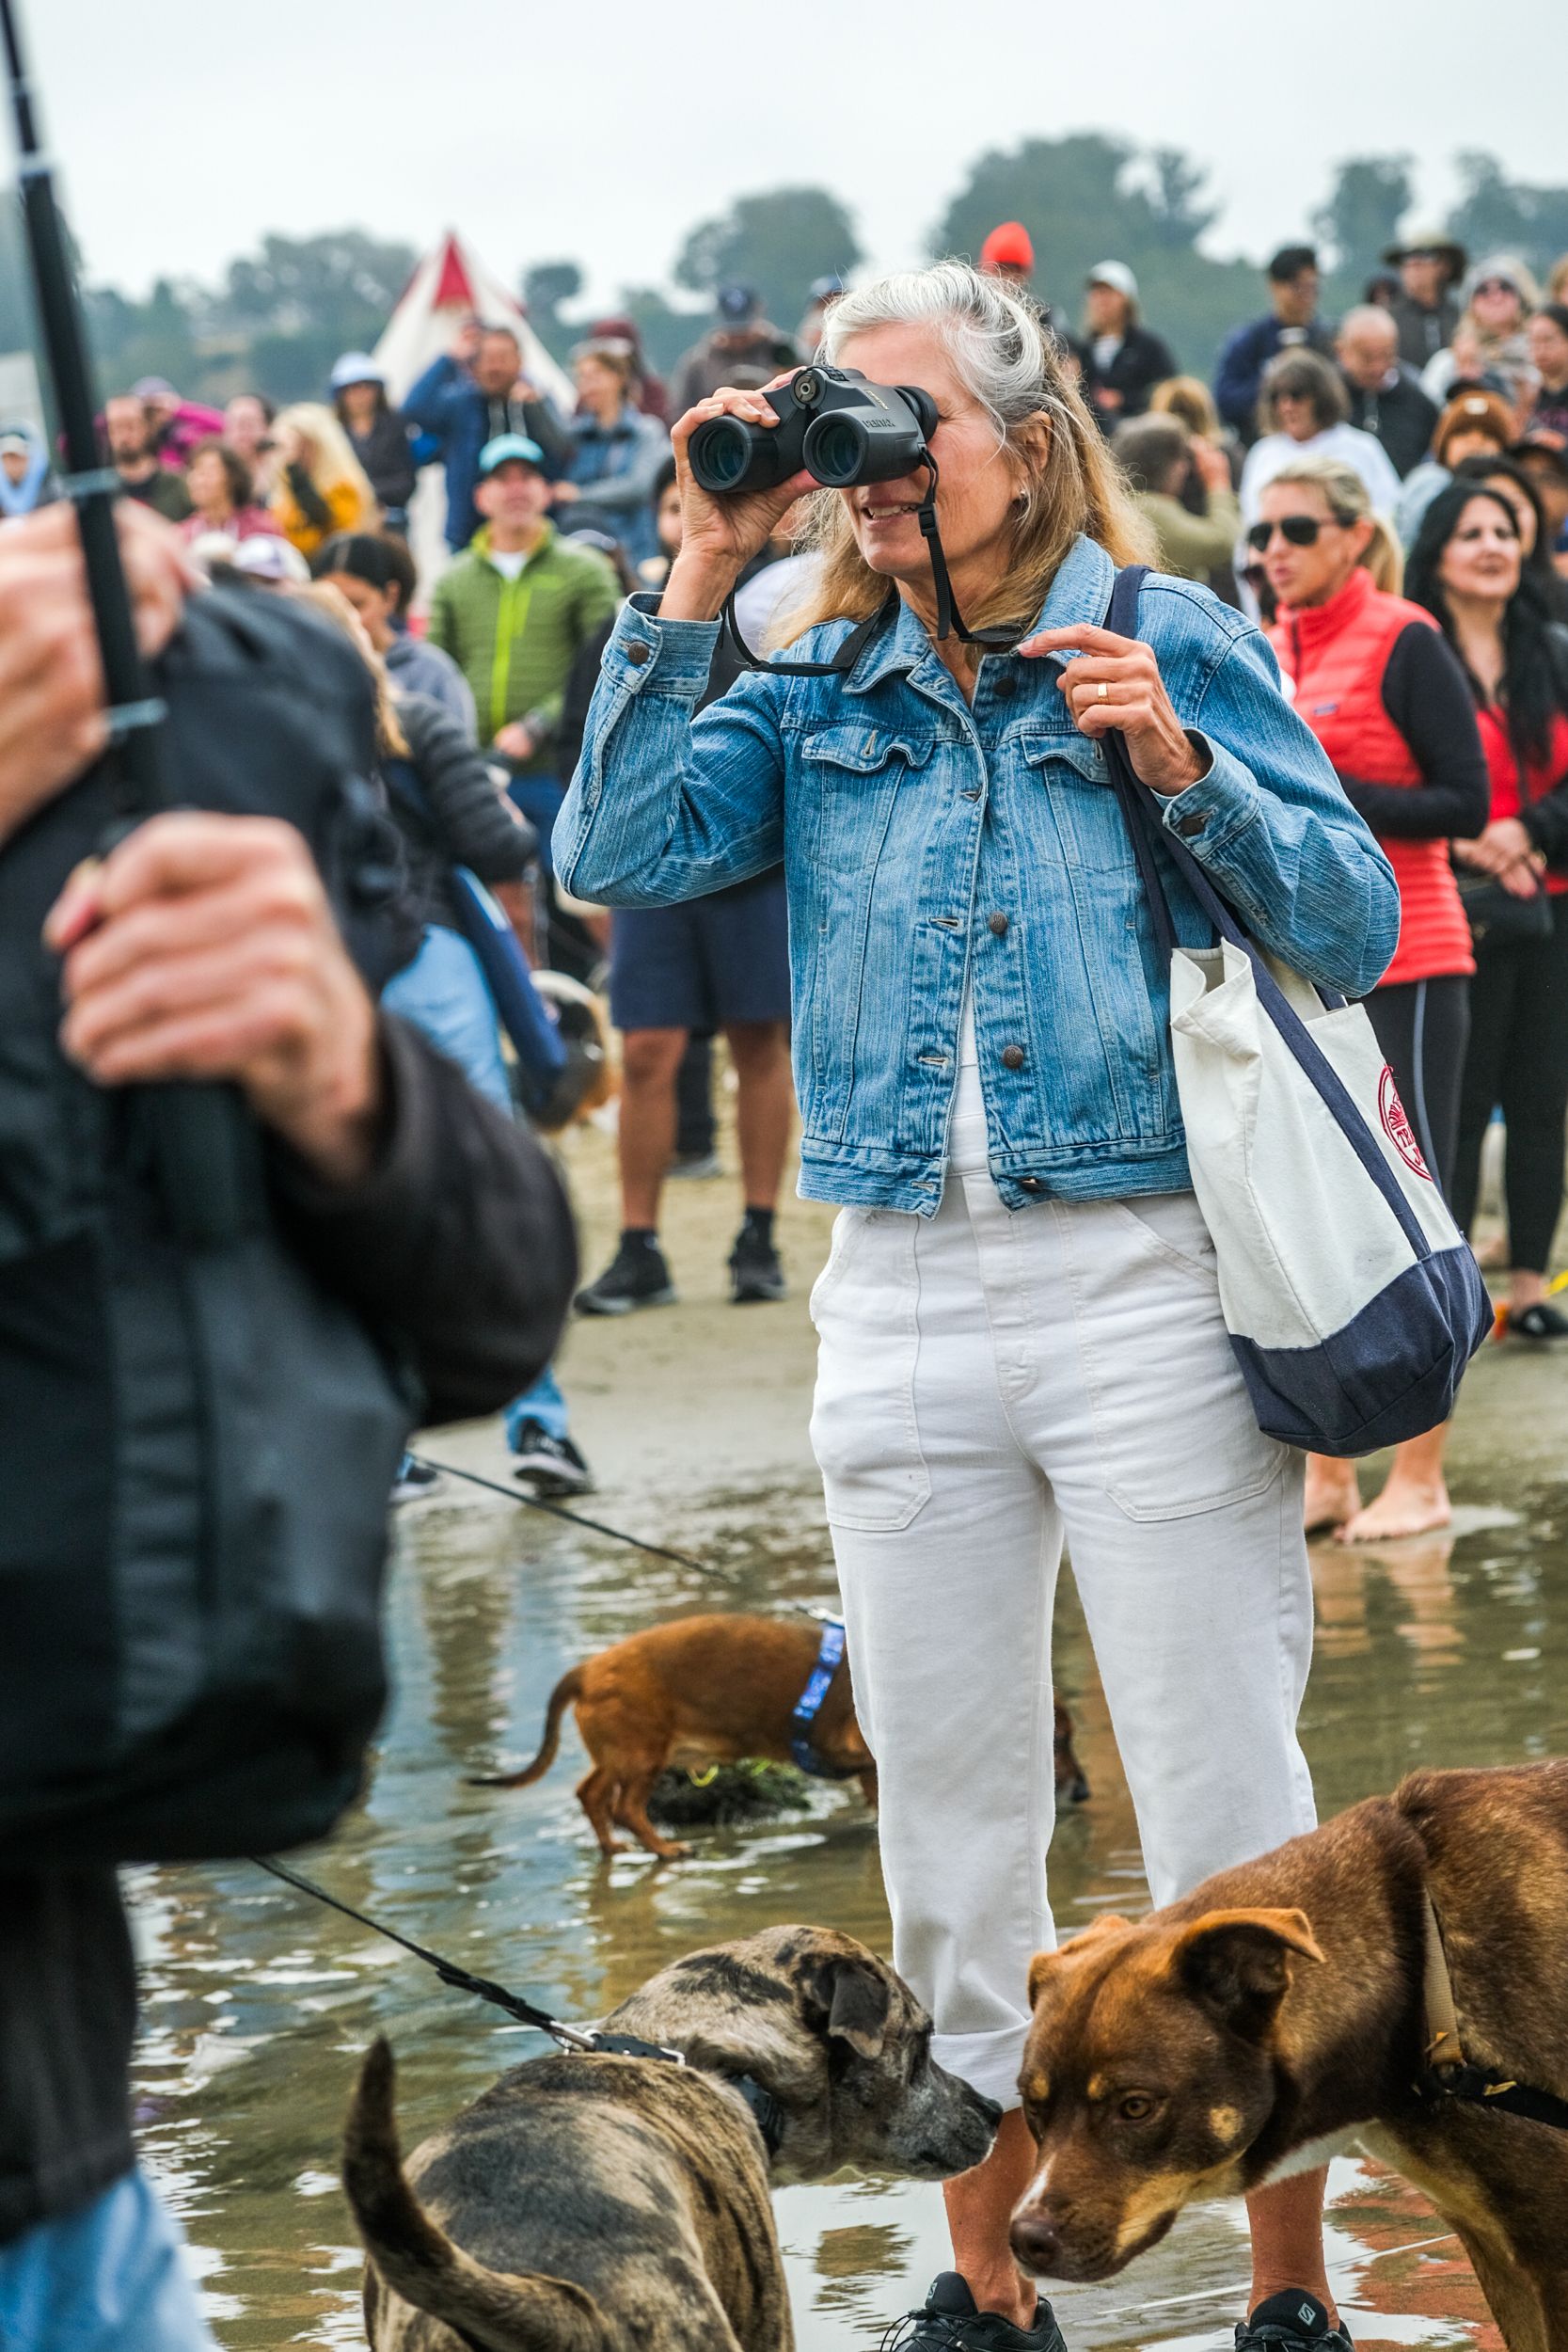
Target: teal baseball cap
{"type": "Point", "coordinates": [509, 447]}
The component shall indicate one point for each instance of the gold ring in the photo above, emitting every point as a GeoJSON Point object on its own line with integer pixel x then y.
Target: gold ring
{"type": "Point", "coordinates": [1102, 689]}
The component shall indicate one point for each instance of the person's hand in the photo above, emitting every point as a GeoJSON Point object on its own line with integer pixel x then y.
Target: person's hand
{"type": "Point", "coordinates": [203, 946]}
{"type": "Point", "coordinates": [1503, 845]}
{"type": "Point", "coordinates": [524, 389]}
{"type": "Point", "coordinates": [562, 493]}
{"type": "Point", "coordinates": [51, 723]}
{"type": "Point", "coordinates": [290, 445]}
{"type": "Point", "coordinates": [1213, 466]}
{"type": "Point", "coordinates": [1107, 399]}
{"type": "Point", "coordinates": [466, 341]}
{"type": "Point", "coordinates": [720, 536]}
{"type": "Point", "coordinates": [515, 740]}
{"type": "Point", "coordinates": [1116, 682]}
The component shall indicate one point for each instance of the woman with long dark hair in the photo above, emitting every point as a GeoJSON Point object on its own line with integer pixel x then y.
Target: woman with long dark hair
{"type": "Point", "coordinates": [1467, 569]}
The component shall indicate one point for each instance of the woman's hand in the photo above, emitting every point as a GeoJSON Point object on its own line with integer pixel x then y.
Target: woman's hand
{"type": "Point", "coordinates": [1506, 852]}
{"type": "Point", "coordinates": [1116, 682]}
{"type": "Point", "coordinates": [720, 536]}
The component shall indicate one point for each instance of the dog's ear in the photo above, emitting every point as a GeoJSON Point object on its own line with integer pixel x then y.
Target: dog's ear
{"type": "Point", "coordinates": [845, 2000]}
{"type": "Point", "coordinates": [1042, 1964]}
{"type": "Point", "coordinates": [1237, 1963]}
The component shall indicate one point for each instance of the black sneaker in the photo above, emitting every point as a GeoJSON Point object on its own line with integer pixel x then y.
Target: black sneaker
{"type": "Point", "coordinates": [947, 2321]}
{"type": "Point", "coordinates": [755, 1273]}
{"type": "Point", "coordinates": [637, 1275]}
{"type": "Point", "coordinates": [1292, 2322]}
{"type": "Point", "coordinates": [415, 1480]}
{"type": "Point", "coordinates": [551, 1465]}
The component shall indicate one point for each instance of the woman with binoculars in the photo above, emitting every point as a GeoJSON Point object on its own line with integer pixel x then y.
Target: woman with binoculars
{"type": "Point", "coordinates": [1019, 1320]}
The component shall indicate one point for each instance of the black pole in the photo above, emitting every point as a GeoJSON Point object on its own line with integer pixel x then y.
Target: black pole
{"type": "Point", "coordinates": [200, 1137]}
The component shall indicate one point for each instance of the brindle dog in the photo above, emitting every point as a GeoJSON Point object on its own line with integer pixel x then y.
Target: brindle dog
{"type": "Point", "coordinates": [621, 2204]}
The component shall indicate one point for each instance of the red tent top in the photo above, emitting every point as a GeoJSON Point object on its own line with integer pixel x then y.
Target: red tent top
{"type": "Point", "coordinates": [452, 289]}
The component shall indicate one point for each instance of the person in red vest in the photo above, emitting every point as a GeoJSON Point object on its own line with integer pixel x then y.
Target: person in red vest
{"type": "Point", "coordinates": [1380, 687]}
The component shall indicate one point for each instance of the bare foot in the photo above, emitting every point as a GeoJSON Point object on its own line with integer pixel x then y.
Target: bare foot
{"type": "Point", "coordinates": [1332, 1494]}
{"type": "Point", "coordinates": [1403, 1508]}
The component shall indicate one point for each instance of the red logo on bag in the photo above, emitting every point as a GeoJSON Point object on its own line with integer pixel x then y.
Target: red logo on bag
{"type": "Point", "coordinates": [1400, 1132]}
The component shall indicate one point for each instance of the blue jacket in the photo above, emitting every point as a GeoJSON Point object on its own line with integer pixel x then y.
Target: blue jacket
{"type": "Point", "coordinates": [615, 469]}
{"type": "Point", "coordinates": [910, 825]}
{"type": "Point", "coordinates": [449, 405]}
{"type": "Point", "coordinates": [1239, 377]}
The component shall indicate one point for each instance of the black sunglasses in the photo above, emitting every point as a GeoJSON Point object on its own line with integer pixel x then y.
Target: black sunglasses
{"type": "Point", "coordinates": [1298, 530]}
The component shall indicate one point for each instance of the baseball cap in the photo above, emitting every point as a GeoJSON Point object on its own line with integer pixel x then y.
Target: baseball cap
{"type": "Point", "coordinates": [509, 447]}
{"type": "Point", "coordinates": [1117, 275]}
{"type": "Point", "coordinates": [154, 388]}
{"type": "Point", "coordinates": [1007, 247]}
{"type": "Point", "coordinates": [267, 557]}
{"type": "Point", "coordinates": [15, 444]}
{"type": "Point", "coordinates": [736, 303]}
{"type": "Point", "coordinates": [355, 367]}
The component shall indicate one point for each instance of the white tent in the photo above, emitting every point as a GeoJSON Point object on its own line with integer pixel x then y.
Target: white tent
{"type": "Point", "coordinates": [451, 284]}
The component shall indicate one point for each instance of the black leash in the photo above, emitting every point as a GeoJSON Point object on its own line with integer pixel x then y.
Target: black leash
{"type": "Point", "coordinates": [767, 2112]}
{"type": "Point", "coordinates": [1448, 2073]}
{"type": "Point", "coordinates": [558, 1511]}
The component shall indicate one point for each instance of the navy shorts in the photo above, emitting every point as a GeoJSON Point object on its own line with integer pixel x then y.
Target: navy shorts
{"type": "Point", "coordinates": [696, 966]}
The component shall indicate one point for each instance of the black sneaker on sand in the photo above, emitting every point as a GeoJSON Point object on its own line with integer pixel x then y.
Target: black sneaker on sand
{"type": "Point", "coordinates": [755, 1272]}
{"type": "Point", "coordinates": [637, 1275]}
{"type": "Point", "coordinates": [552, 1466]}
{"type": "Point", "coordinates": [947, 2321]}
{"type": "Point", "coordinates": [1292, 2322]}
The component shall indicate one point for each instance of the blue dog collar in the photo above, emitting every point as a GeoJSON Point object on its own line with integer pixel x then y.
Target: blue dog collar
{"type": "Point", "coordinates": [829, 1660]}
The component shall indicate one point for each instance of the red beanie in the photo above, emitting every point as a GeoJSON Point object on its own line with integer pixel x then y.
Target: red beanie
{"type": "Point", "coordinates": [1007, 247]}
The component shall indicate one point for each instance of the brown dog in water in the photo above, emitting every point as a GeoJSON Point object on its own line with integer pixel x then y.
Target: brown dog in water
{"type": "Point", "coordinates": [621, 2204]}
{"type": "Point", "coordinates": [704, 1691]}
{"type": "Point", "coordinates": [1283, 2011]}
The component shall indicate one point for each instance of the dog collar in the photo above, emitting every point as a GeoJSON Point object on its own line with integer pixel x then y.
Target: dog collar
{"type": "Point", "coordinates": [767, 2113]}
{"type": "Point", "coordinates": [830, 1656]}
{"type": "Point", "coordinates": [1446, 2072]}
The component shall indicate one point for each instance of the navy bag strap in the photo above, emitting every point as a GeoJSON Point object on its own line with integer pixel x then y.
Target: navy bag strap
{"type": "Point", "coordinates": [1140, 808]}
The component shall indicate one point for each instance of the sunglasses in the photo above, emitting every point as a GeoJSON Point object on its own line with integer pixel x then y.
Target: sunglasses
{"type": "Point", "coordinates": [1496, 285]}
{"type": "Point", "coordinates": [1297, 531]}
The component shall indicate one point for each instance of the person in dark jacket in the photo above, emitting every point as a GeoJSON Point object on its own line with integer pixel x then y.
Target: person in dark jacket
{"type": "Point", "coordinates": [742, 348]}
{"type": "Point", "coordinates": [403, 1193]}
{"type": "Point", "coordinates": [1125, 361]}
{"type": "Point", "coordinates": [1426, 309]}
{"type": "Point", "coordinates": [1386, 395]}
{"type": "Point", "coordinates": [1293, 321]}
{"type": "Point", "coordinates": [471, 396]}
{"type": "Point", "coordinates": [377, 433]}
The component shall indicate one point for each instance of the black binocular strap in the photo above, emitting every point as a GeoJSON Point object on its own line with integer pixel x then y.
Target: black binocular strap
{"type": "Point", "coordinates": [842, 663]}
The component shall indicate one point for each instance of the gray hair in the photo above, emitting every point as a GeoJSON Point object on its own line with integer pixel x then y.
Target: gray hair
{"type": "Point", "coordinates": [997, 341]}
{"type": "Point", "coordinates": [1370, 315]}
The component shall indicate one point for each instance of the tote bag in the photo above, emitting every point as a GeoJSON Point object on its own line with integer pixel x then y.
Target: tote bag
{"type": "Point", "coordinates": [1353, 1302]}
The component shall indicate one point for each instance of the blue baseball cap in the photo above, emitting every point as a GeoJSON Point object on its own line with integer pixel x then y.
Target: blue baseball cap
{"type": "Point", "coordinates": [510, 448]}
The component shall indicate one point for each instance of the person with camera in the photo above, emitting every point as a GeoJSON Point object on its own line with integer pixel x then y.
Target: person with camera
{"type": "Point", "coordinates": [1021, 1337]}
{"type": "Point", "coordinates": [401, 1213]}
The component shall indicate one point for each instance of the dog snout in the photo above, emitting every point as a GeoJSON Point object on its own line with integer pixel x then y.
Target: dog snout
{"type": "Point", "coordinates": [991, 2109]}
{"type": "Point", "coordinates": [1036, 2241]}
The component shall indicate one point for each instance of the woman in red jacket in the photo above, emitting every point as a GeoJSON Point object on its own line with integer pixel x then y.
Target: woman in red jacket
{"type": "Point", "coordinates": [1382, 691]}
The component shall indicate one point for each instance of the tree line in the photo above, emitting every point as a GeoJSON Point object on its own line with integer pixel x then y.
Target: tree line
{"type": "Point", "coordinates": [279, 316]}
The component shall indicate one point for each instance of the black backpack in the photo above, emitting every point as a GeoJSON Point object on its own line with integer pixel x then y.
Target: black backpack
{"type": "Point", "coordinates": [196, 1445]}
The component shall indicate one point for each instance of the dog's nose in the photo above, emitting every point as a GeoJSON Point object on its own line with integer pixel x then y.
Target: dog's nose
{"type": "Point", "coordinates": [1036, 2240]}
{"type": "Point", "coordinates": [990, 2108]}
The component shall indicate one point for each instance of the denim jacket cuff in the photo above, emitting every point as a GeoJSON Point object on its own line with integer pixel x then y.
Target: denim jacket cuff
{"type": "Point", "coordinates": [1219, 805]}
{"type": "Point", "coordinates": [670, 656]}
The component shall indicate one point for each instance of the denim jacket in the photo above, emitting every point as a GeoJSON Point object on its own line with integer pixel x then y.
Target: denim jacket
{"type": "Point", "coordinates": [928, 844]}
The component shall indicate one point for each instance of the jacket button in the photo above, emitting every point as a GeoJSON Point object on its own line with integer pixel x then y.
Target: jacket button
{"type": "Point", "coordinates": [997, 923]}
{"type": "Point", "coordinates": [1012, 1057]}
{"type": "Point", "coordinates": [638, 653]}
{"type": "Point", "coordinates": [1187, 826]}
{"type": "Point", "coordinates": [1005, 686]}
{"type": "Point", "coordinates": [1029, 1184]}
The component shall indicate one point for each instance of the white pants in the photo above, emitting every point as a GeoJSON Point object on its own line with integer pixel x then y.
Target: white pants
{"type": "Point", "coordinates": [987, 1382]}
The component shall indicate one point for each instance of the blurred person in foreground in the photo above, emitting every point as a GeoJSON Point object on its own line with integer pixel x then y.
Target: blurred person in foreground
{"type": "Point", "coordinates": [1158, 455]}
{"type": "Point", "coordinates": [741, 347]}
{"type": "Point", "coordinates": [1388, 702]}
{"type": "Point", "coordinates": [376, 574]}
{"type": "Point", "coordinates": [1498, 296]}
{"type": "Point", "coordinates": [1291, 323]}
{"type": "Point", "coordinates": [1467, 569]}
{"type": "Point", "coordinates": [322, 487]}
{"type": "Point", "coordinates": [472, 395]}
{"type": "Point", "coordinates": [616, 453]}
{"type": "Point", "coordinates": [26, 480]}
{"type": "Point", "coordinates": [1425, 310]}
{"type": "Point", "coordinates": [377, 434]}
{"type": "Point", "coordinates": [203, 946]}
{"type": "Point", "coordinates": [1475, 423]}
{"type": "Point", "coordinates": [1304, 411]}
{"type": "Point", "coordinates": [128, 430]}
{"type": "Point", "coordinates": [1125, 359]}
{"type": "Point", "coordinates": [217, 481]}
{"type": "Point", "coordinates": [1386, 395]}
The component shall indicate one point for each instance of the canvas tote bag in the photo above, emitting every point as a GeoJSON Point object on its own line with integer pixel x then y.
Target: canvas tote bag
{"type": "Point", "coordinates": [1353, 1302]}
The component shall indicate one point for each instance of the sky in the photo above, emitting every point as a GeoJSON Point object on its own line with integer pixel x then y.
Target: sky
{"type": "Point", "coordinates": [602, 133]}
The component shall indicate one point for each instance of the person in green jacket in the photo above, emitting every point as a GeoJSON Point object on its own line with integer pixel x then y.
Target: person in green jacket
{"type": "Point", "coordinates": [1155, 454]}
{"type": "Point", "coordinates": [511, 611]}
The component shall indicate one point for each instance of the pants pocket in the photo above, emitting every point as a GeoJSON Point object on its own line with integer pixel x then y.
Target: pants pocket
{"type": "Point", "coordinates": [865, 1307]}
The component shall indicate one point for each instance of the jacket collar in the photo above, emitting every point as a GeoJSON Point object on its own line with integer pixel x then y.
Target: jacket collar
{"type": "Point", "coordinates": [1315, 624]}
{"type": "Point", "coordinates": [480, 543]}
{"type": "Point", "coordinates": [1078, 594]}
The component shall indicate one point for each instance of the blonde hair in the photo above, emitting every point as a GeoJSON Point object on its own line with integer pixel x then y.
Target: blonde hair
{"type": "Point", "coordinates": [1189, 398]}
{"type": "Point", "coordinates": [332, 460]}
{"type": "Point", "coordinates": [334, 606]}
{"type": "Point", "coordinates": [1005, 358]}
{"type": "Point", "coordinates": [1347, 498]}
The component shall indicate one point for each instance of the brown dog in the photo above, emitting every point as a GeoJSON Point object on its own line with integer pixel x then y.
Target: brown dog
{"type": "Point", "coordinates": [1282, 2012]}
{"type": "Point", "coordinates": [621, 2204]}
{"type": "Point", "coordinates": [710, 1690]}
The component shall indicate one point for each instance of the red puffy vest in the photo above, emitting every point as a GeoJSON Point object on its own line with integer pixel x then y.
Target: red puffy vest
{"type": "Point", "coordinates": [1335, 654]}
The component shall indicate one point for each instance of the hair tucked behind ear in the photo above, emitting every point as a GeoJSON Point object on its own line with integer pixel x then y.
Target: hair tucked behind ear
{"type": "Point", "coordinates": [1005, 358]}
{"type": "Point", "coordinates": [1348, 501]}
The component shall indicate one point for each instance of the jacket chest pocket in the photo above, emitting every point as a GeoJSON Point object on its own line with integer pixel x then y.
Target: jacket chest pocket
{"type": "Point", "coordinates": [855, 773]}
{"type": "Point", "coordinates": [1071, 771]}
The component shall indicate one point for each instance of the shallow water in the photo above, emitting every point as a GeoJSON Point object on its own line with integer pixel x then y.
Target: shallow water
{"type": "Point", "coordinates": [1438, 1651]}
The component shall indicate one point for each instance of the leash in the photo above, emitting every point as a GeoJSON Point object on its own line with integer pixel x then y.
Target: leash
{"type": "Point", "coordinates": [767, 2113]}
{"type": "Point", "coordinates": [830, 1656]}
{"type": "Point", "coordinates": [559, 1510]}
{"type": "Point", "coordinates": [1448, 2073]}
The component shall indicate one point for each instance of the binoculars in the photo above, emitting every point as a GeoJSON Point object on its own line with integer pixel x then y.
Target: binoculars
{"type": "Point", "coordinates": [840, 428]}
